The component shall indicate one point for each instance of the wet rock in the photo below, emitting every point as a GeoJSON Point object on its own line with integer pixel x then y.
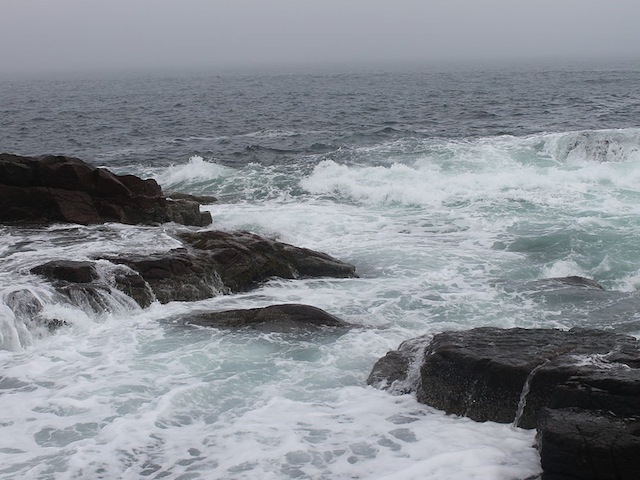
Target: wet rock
{"type": "Point", "coordinates": [202, 199]}
{"type": "Point", "coordinates": [68, 271]}
{"type": "Point", "coordinates": [214, 262]}
{"type": "Point", "coordinates": [580, 388]}
{"type": "Point", "coordinates": [65, 189]}
{"type": "Point", "coordinates": [392, 372]}
{"type": "Point", "coordinates": [481, 373]}
{"type": "Point", "coordinates": [187, 212]}
{"type": "Point", "coordinates": [588, 445]}
{"type": "Point", "coordinates": [80, 282]}
{"type": "Point", "coordinates": [245, 259]}
{"type": "Point", "coordinates": [211, 263]}
{"type": "Point", "coordinates": [274, 317]}
{"type": "Point", "coordinates": [133, 285]}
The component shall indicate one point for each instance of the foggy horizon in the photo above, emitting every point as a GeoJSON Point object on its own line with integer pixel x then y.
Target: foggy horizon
{"type": "Point", "coordinates": [73, 36]}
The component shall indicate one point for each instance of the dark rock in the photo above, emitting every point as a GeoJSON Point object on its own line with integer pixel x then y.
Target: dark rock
{"type": "Point", "coordinates": [580, 388]}
{"type": "Point", "coordinates": [279, 317]}
{"type": "Point", "coordinates": [245, 258]}
{"type": "Point", "coordinates": [187, 212]}
{"type": "Point", "coordinates": [65, 189]}
{"type": "Point", "coordinates": [392, 372]}
{"type": "Point", "coordinates": [133, 285]}
{"type": "Point", "coordinates": [577, 281]}
{"type": "Point", "coordinates": [176, 275]}
{"type": "Point", "coordinates": [81, 283]}
{"type": "Point", "coordinates": [68, 271]}
{"type": "Point", "coordinates": [221, 262]}
{"type": "Point", "coordinates": [202, 199]}
{"type": "Point", "coordinates": [481, 373]}
{"type": "Point", "coordinates": [588, 445]}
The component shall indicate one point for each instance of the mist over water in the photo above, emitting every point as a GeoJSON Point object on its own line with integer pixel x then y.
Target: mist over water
{"type": "Point", "coordinates": [454, 194]}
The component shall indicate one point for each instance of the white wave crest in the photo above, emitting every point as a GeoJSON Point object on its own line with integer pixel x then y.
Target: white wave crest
{"type": "Point", "coordinates": [594, 145]}
{"type": "Point", "coordinates": [196, 170]}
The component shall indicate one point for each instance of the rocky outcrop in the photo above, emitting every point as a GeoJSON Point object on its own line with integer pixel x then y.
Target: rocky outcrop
{"type": "Point", "coordinates": [210, 263]}
{"type": "Point", "coordinates": [244, 259]}
{"type": "Point", "coordinates": [274, 317]}
{"type": "Point", "coordinates": [214, 262]}
{"type": "Point", "coordinates": [568, 384]}
{"type": "Point", "coordinates": [65, 189]}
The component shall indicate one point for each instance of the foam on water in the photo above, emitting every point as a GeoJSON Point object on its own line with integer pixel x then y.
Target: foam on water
{"type": "Point", "coordinates": [445, 234]}
{"type": "Point", "coordinates": [134, 397]}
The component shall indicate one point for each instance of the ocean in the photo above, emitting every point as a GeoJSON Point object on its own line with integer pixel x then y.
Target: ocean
{"type": "Point", "coordinates": [454, 192]}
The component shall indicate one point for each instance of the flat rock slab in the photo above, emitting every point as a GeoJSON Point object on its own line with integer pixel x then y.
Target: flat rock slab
{"type": "Point", "coordinates": [274, 317]}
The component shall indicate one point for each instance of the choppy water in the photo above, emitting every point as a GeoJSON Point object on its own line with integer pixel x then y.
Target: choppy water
{"type": "Point", "coordinates": [453, 193]}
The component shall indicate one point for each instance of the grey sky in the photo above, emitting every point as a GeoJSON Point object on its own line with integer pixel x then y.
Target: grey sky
{"type": "Point", "coordinates": [70, 35]}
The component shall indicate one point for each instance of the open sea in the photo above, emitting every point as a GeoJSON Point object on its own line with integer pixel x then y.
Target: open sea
{"type": "Point", "coordinates": [452, 191]}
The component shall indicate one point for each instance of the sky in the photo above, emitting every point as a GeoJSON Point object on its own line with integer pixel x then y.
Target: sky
{"type": "Point", "coordinates": [40, 36]}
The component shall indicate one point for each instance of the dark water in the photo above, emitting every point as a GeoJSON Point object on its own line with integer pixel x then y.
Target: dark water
{"type": "Point", "coordinates": [276, 118]}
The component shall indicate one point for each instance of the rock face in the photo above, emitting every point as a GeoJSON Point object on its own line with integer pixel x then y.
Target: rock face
{"type": "Point", "coordinates": [64, 189]}
{"type": "Point", "coordinates": [568, 384]}
{"type": "Point", "coordinates": [281, 317]}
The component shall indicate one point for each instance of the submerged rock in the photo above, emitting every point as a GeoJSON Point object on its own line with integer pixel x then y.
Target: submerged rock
{"type": "Point", "coordinates": [568, 384]}
{"type": "Point", "coordinates": [64, 189]}
{"type": "Point", "coordinates": [273, 317]}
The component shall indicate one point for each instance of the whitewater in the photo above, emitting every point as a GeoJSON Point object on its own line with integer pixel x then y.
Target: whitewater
{"type": "Point", "coordinates": [453, 194]}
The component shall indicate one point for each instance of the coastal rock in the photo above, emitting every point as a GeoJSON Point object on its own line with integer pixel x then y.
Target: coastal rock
{"type": "Point", "coordinates": [211, 263]}
{"type": "Point", "coordinates": [64, 189]}
{"type": "Point", "coordinates": [80, 282]}
{"type": "Point", "coordinates": [245, 259]}
{"type": "Point", "coordinates": [68, 271]}
{"type": "Point", "coordinates": [214, 262]}
{"type": "Point", "coordinates": [481, 373]}
{"type": "Point", "coordinates": [588, 445]}
{"type": "Point", "coordinates": [177, 275]}
{"type": "Point", "coordinates": [274, 317]}
{"type": "Point", "coordinates": [580, 388]}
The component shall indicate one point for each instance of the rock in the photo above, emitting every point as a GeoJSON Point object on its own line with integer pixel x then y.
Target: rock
{"type": "Point", "coordinates": [65, 189]}
{"type": "Point", "coordinates": [481, 373]}
{"type": "Point", "coordinates": [68, 271]}
{"type": "Point", "coordinates": [202, 199]}
{"type": "Point", "coordinates": [588, 445]}
{"type": "Point", "coordinates": [580, 388]}
{"type": "Point", "coordinates": [177, 275]}
{"type": "Point", "coordinates": [274, 317]}
{"type": "Point", "coordinates": [214, 262]}
{"type": "Point", "coordinates": [245, 259]}
{"type": "Point", "coordinates": [80, 282]}
{"type": "Point", "coordinates": [392, 372]}
{"type": "Point", "coordinates": [133, 285]}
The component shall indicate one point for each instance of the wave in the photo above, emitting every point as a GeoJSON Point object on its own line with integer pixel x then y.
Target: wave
{"type": "Point", "coordinates": [544, 169]}
{"type": "Point", "coordinates": [194, 171]}
{"type": "Point", "coordinates": [594, 145]}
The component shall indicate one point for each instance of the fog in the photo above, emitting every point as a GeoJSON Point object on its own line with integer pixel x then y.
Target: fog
{"type": "Point", "coordinates": [38, 36]}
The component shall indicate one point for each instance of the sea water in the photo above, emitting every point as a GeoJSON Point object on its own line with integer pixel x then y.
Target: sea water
{"type": "Point", "coordinates": [453, 192]}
